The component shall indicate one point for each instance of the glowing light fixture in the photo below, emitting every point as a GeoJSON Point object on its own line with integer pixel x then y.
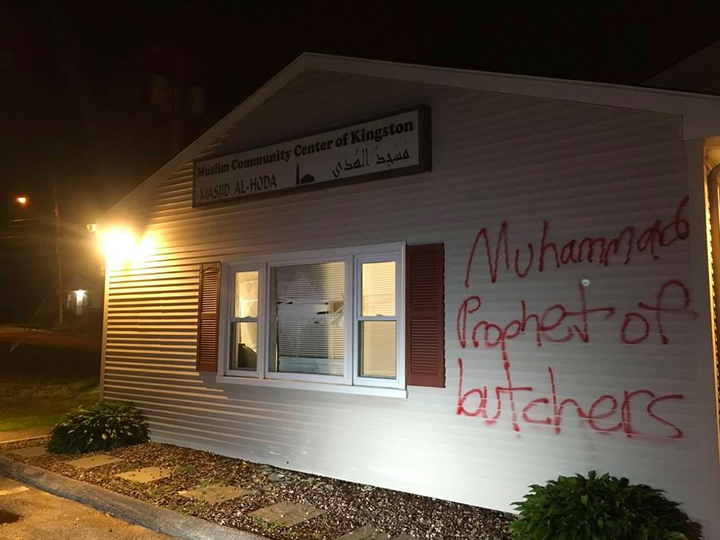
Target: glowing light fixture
{"type": "Point", "coordinates": [122, 246]}
{"type": "Point", "coordinates": [119, 245]}
{"type": "Point", "coordinates": [22, 200]}
{"type": "Point", "coordinates": [80, 297]}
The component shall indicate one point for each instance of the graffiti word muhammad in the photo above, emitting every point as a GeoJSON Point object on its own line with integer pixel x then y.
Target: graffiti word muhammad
{"type": "Point", "coordinates": [548, 253]}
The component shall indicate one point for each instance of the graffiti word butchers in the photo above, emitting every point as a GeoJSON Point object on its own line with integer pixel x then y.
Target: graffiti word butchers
{"type": "Point", "coordinates": [606, 414]}
{"type": "Point", "coordinates": [547, 252]}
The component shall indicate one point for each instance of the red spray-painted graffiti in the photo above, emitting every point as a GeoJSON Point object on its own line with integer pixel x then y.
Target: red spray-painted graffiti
{"type": "Point", "coordinates": [621, 415]}
{"type": "Point", "coordinates": [577, 321]}
{"type": "Point", "coordinates": [560, 324]}
{"type": "Point", "coordinates": [600, 249]}
{"type": "Point", "coordinates": [672, 298]}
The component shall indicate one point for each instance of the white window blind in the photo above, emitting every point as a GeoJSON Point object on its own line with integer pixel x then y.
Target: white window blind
{"type": "Point", "coordinates": [308, 303]}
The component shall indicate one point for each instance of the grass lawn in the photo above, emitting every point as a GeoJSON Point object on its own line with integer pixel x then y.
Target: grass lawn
{"type": "Point", "coordinates": [28, 401]}
{"type": "Point", "coordinates": [39, 384]}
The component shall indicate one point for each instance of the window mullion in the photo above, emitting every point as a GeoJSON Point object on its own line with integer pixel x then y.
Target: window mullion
{"type": "Point", "coordinates": [400, 316]}
{"type": "Point", "coordinates": [350, 318]}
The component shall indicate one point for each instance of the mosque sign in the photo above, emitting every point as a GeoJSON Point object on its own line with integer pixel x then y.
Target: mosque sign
{"type": "Point", "coordinates": [394, 145]}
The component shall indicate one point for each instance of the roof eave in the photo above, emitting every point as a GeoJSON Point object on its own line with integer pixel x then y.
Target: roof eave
{"type": "Point", "coordinates": [701, 113]}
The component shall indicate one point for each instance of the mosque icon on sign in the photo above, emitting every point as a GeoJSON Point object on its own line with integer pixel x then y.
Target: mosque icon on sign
{"type": "Point", "coordinates": [307, 178]}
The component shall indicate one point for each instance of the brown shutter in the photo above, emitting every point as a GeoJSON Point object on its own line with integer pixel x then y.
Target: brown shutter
{"type": "Point", "coordinates": [208, 317]}
{"type": "Point", "coordinates": [425, 315]}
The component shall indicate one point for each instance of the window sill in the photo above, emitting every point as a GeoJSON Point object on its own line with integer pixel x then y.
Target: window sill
{"type": "Point", "coordinates": [314, 386]}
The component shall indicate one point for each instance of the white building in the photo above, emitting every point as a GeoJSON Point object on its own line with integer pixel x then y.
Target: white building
{"type": "Point", "coordinates": [521, 291]}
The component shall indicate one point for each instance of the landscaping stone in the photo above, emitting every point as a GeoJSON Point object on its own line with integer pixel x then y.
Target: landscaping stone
{"type": "Point", "coordinates": [93, 461]}
{"type": "Point", "coordinates": [366, 532]}
{"type": "Point", "coordinates": [276, 477]}
{"type": "Point", "coordinates": [145, 475]}
{"type": "Point", "coordinates": [31, 451]}
{"type": "Point", "coordinates": [287, 513]}
{"type": "Point", "coordinates": [214, 494]}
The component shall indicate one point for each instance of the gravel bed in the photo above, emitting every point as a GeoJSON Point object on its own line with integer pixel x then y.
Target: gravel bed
{"type": "Point", "coordinates": [348, 505]}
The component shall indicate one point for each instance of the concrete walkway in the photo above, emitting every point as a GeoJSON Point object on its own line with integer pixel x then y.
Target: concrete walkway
{"type": "Point", "coordinates": [11, 436]}
{"type": "Point", "coordinates": [29, 514]}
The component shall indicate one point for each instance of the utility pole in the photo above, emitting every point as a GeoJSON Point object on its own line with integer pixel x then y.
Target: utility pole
{"type": "Point", "coordinates": [56, 211]}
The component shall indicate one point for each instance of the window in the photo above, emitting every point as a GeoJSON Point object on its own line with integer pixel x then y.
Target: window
{"type": "Point", "coordinates": [337, 317]}
{"type": "Point", "coordinates": [377, 323]}
{"type": "Point", "coordinates": [307, 318]}
{"type": "Point", "coordinates": [244, 321]}
{"type": "Point", "coordinates": [330, 317]}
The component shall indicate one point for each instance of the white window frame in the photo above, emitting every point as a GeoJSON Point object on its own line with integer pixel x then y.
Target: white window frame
{"type": "Point", "coordinates": [399, 380]}
{"type": "Point", "coordinates": [350, 381]}
{"type": "Point", "coordinates": [229, 310]}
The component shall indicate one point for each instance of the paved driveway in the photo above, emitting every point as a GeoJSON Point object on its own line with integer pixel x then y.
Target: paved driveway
{"type": "Point", "coordinates": [29, 514]}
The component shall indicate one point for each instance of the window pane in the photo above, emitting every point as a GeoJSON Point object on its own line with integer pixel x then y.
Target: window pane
{"type": "Point", "coordinates": [378, 289]}
{"type": "Point", "coordinates": [308, 319]}
{"type": "Point", "coordinates": [244, 346]}
{"type": "Point", "coordinates": [246, 294]}
{"type": "Point", "coordinates": [378, 349]}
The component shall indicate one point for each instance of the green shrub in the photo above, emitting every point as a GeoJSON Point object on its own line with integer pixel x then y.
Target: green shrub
{"type": "Point", "coordinates": [599, 508]}
{"type": "Point", "coordinates": [103, 426]}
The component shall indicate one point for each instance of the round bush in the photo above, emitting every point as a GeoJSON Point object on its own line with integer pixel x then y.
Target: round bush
{"type": "Point", "coordinates": [599, 508]}
{"type": "Point", "coordinates": [104, 426]}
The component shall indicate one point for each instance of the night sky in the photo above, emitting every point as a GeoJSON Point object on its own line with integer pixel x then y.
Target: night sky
{"type": "Point", "coordinates": [75, 81]}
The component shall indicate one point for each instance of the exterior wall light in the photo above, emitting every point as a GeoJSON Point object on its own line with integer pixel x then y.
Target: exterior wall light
{"type": "Point", "coordinates": [119, 245]}
{"type": "Point", "coordinates": [122, 246]}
